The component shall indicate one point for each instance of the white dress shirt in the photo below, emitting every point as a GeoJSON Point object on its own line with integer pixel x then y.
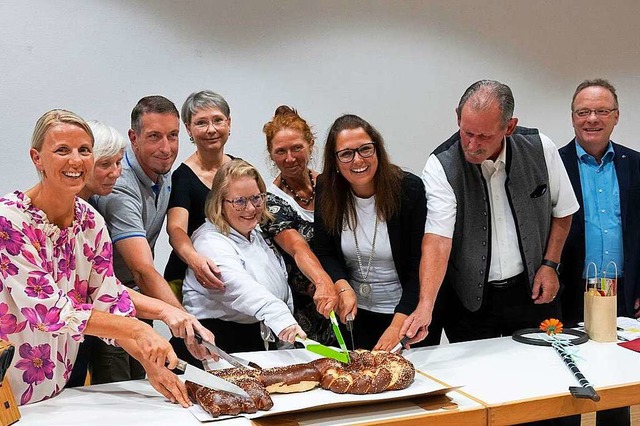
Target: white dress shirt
{"type": "Point", "coordinates": [506, 260]}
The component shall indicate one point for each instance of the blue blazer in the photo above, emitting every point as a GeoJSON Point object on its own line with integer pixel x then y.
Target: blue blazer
{"type": "Point", "coordinates": [627, 164]}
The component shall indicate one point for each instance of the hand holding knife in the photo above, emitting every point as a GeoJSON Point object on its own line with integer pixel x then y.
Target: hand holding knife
{"type": "Point", "coordinates": [231, 359]}
{"type": "Point", "coordinates": [350, 330]}
{"type": "Point", "coordinates": [400, 345]}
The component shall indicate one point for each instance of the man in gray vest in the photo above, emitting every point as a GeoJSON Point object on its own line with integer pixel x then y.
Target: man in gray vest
{"type": "Point", "coordinates": [499, 209]}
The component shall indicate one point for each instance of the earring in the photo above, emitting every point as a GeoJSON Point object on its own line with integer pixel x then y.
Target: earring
{"type": "Point", "coordinates": [229, 133]}
{"type": "Point", "coordinates": [191, 138]}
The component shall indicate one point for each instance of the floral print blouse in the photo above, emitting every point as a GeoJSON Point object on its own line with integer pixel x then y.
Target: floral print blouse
{"type": "Point", "coordinates": [50, 280]}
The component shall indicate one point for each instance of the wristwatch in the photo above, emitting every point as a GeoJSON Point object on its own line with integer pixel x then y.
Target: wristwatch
{"type": "Point", "coordinates": [551, 264]}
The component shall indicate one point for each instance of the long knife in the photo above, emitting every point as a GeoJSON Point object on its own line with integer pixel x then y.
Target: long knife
{"type": "Point", "coordinates": [338, 333]}
{"type": "Point", "coordinates": [236, 361]}
{"type": "Point", "coordinates": [201, 377]}
{"type": "Point", "coordinates": [315, 347]}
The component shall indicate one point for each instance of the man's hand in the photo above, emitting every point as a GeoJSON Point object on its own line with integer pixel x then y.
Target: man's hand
{"type": "Point", "coordinates": [545, 285]}
{"type": "Point", "coordinates": [391, 335]}
{"type": "Point", "coordinates": [325, 298]}
{"type": "Point", "coordinates": [167, 383]}
{"type": "Point", "coordinates": [415, 326]}
{"type": "Point", "coordinates": [206, 271]}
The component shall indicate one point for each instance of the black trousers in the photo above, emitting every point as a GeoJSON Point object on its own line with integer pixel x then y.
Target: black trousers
{"type": "Point", "coordinates": [503, 311]}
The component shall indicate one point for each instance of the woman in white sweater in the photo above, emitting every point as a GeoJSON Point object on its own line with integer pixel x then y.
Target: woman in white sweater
{"type": "Point", "coordinates": [256, 298]}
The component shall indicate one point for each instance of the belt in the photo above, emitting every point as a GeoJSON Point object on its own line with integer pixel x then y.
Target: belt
{"type": "Point", "coordinates": [508, 282]}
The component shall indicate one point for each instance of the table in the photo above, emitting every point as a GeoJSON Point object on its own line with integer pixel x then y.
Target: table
{"type": "Point", "coordinates": [521, 383]}
{"type": "Point", "coordinates": [137, 403]}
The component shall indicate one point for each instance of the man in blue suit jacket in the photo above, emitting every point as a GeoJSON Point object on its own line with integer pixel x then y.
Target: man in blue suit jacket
{"type": "Point", "coordinates": [606, 180]}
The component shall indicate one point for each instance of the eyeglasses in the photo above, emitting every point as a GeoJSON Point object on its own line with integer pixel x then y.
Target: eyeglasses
{"type": "Point", "coordinates": [217, 123]}
{"type": "Point", "coordinates": [601, 112]}
{"type": "Point", "coordinates": [365, 151]}
{"type": "Point", "coordinates": [241, 203]}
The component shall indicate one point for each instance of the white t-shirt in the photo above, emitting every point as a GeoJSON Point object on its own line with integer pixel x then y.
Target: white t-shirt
{"type": "Point", "coordinates": [386, 289]}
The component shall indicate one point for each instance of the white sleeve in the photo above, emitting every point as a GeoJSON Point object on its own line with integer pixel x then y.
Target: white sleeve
{"type": "Point", "coordinates": [441, 200]}
{"type": "Point", "coordinates": [242, 293]}
{"type": "Point", "coordinates": [563, 199]}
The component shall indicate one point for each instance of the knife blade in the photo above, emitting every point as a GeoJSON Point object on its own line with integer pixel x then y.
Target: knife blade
{"type": "Point", "coordinates": [400, 345]}
{"type": "Point", "coordinates": [320, 349]}
{"type": "Point", "coordinates": [338, 333]}
{"type": "Point", "coordinates": [350, 330]}
{"type": "Point", "coordinates": [201, 377]}
{"type": "Point", "coordinates": [236, 361]}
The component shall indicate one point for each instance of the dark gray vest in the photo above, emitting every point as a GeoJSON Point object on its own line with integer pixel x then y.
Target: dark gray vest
{"type": "Point", "coordinates": [527, 187]}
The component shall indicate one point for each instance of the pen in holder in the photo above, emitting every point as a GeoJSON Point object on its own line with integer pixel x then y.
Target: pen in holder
{"type": "Point", "coordinates": [600, 304]}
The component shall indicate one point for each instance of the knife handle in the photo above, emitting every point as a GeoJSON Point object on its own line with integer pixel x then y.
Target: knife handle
{"type": "Point", "coordinates": [349, 323]}
{"type": "Point", "coordinates": [182, 365]}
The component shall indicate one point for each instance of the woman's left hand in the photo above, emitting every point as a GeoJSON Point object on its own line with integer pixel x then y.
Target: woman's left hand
{"type": "Point", "coordinates": [391, 336]}
{"type": "Point", "coordinates": [289, 334]}
{"type": "Point", "coordinates": [325, 298]}
{"type": "Point", "coordinates": [167, 383]}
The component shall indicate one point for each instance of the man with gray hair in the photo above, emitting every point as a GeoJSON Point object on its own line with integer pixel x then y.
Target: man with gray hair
{"type": "Point", "coordinates": [605, 177]}
{"type": "Point", "coordinates": [499, 209]}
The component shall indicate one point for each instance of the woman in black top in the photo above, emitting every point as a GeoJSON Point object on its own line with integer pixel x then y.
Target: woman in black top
{"type": "Point", "coordinates": [369, 223]}
{"type": "Point", "coordinates": [207, 118]}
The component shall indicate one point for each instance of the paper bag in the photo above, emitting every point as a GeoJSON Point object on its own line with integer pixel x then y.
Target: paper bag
{"type": "Point", "coordinates": [601, 306]}
{"type": "Point", "coordinates": [600, 317]}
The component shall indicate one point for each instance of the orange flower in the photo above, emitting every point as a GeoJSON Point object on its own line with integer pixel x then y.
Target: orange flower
{"type": "Point", "coordinates": [551, 326]}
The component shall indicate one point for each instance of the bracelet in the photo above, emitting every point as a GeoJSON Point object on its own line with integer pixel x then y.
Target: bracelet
{"type": "Point", "coordinates": [342, 290]}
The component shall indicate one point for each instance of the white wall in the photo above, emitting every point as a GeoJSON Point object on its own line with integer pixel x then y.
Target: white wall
{"type": "Point", "coordinates": [402, 65]}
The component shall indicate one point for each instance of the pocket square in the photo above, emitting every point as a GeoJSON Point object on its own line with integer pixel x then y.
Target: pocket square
{"type": "Point", "coordinates": [539, 191]}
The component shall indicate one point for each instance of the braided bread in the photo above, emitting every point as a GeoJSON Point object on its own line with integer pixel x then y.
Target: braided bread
{"type": "Point", "coordinates": [217, 402]}
{"type": "Point", "coordinates": [366, 373]}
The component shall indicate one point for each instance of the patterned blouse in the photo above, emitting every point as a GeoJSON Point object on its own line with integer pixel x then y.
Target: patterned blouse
{"type": "Point", "coordinates": [289, 215]}
{"type": "Point", "coordinates": [50, 280]}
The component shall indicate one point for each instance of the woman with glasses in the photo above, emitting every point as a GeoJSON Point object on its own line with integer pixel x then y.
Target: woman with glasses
{"type": "Point", "coordinates": [256, 299]}
{"type": "Point", "coordinates": [290, 200]}
{"type": "Point", "coordinates": [206, 116]}
{"type": "Point", "coordinates": [368, 231]}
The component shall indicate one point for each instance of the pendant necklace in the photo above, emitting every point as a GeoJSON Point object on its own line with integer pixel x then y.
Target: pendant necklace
{"type": "Point", "coordinates": [305, 201]}
{"type": "Point", "coordinates": [365, 288]}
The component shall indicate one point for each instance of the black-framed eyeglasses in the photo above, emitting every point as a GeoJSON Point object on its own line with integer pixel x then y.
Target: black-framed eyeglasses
{"type": "Point", "coordinates": [600, 112]}
{"type": "Point", "coordinates": [365, 151]}
{"type": "Point", "coordinates": [241, 203]}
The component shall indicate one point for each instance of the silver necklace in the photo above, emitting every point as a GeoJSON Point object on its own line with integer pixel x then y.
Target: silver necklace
{"type": "Point", "coordinates": [365, 288]}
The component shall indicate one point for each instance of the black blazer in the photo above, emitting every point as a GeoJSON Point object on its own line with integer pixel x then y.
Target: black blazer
{"type": "Point", "coordinates": [405, 235]}
{"type": "Point", "coordinates": [627, 164]}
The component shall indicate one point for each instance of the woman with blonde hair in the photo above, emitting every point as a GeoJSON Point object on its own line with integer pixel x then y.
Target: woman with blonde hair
{"type": "Point", "coordinates": [256, 299]}
{"type": "Point", "coordinates": [57, 277]}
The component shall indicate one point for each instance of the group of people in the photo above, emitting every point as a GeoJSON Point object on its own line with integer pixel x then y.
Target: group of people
{"type": "Point", "coordinates": [474, 247]}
